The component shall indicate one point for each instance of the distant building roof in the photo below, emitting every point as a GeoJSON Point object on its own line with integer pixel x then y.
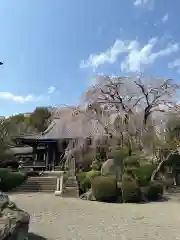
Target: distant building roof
{"type": "Point", "coordinates": [67, 124]}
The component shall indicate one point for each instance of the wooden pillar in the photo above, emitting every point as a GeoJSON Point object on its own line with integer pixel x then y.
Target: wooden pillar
{"type": "Point", "coordinates": [47, 157]}
{"type": "Point", "coordinates": [34, 154]}
{"type": "Point", "coordinates": [53, 156]}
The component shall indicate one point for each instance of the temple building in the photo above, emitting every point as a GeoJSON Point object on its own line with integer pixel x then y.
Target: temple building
{"type": "Point", "coordinates": [68, 129]}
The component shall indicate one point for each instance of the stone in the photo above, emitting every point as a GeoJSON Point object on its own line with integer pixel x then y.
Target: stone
{"type": "Point", "coordinates": [14, 222]}
{"type": "Point", "coordinates": [58, 193]}
{"type": "Point", "coordinates": [110, 167]}
{"type": "Point", "coordinates": [88, 196]}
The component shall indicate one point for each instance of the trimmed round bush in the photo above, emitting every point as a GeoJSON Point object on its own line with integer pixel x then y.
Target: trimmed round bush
{"type": "Point", "coordinates": [127, 177]}
{"type": "Point", "coordinates": [118, 156]}
{"type": "Point", "coordinates": [131, 162]}
{"type": "Point", "coordinates": [85, 185]}
{"type": "Point", "coordinates": [130, 192]}
{"type": "Point", "coordinates": [10, 179]}
{"type": "Point", "coordinates": [143, 174]}
{"type": "Point", "coordinates": [80, 176]}
{"type": "Point", "coordinates": [96, 165]}
{"type": "Point", "coordinates": [84, 182]}
{"type": "Point", "coordinates": [153, 191]}
{"type": "Point", "coordinates": [93, 173]}
{"type": "Point", "coordinates": [105, 189]}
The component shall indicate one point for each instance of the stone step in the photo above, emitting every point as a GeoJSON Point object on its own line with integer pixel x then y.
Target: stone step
{"type": "Point", "coordinates": [33, 191]}
{"type": "Point", "coordinates": [71, 192]}
{"type": "Point", "coordinates": [71, 185]}
{"type": "Point", "coordinates": [71, 182]}
{"type": "Point", "coordinates": [41, 178]}
{"type": "Point", "coordinates": [37, 187]}
{"type": "Point", "coordinates": [38, 184]}
{"type": "Point", "coordinates": [41, 183]}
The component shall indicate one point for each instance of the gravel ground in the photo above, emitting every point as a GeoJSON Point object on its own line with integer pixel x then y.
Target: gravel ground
{"type": "Point", "coordinates": [71, 219]}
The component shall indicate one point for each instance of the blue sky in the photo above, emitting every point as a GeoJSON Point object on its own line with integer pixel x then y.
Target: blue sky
{"type": "Point", "coordinates": [52, 49]}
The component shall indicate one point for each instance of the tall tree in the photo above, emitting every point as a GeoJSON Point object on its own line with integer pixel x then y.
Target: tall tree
{"type": "Point", "coordinates": [39, 119]}
{"type": "Point", "coordinates": [131, 99]}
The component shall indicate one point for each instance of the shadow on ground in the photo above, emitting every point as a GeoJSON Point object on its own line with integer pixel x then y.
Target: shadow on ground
{"type": "Point", "coordinates": [33, 236]}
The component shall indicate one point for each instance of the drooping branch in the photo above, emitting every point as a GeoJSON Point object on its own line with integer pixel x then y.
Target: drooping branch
{"type": "Point", "coordinates": [161, 163]}
{"type": "Point", "coordinates": [154, 97]}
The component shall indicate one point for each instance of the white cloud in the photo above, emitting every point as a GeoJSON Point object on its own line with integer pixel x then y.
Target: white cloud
{"type": "Point", "coordinates": [138, 57]}
{"type": "Point", "coordinates": [147, 3]}
{"type": "Point", "coordinates": [140, 2]}
{"type": "Point", "coordinates": [165, 18]}
{"type": "Point", "coordinates": [26, 98]}
{"type": "Point", "coordinates": [109, 56]}
{"type": "Point", "coordinates": [18, 98]}
{"type": "Point", "coordinates": [175, 64]}
{"type": "Point", "coordinates": [51, 89]}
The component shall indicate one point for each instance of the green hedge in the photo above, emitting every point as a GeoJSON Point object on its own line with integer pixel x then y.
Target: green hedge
{"type": "Point", "coordinates": [130, 192]}
{"type": "Point", "coordinates": [153, 191]}
{"type": "Point", "coordinates": [105, 189]}
{"type": "Point", "coordinates": [93, 173]}
{"type": "Point", "coordinates": [84, 180]}
{"type": "Point", "coordinates": [10, 179]}
{"type": "Point", "coordinates": [143, 174]}
{"type": "Point", "coordinates": [118, 156]}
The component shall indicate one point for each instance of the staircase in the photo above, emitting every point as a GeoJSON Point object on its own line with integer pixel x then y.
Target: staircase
{"type": "Point", "coordinates": [38, 184]}
{"type": "Point", "coordinates": [48, 184]}
{"type": "Point", "coordinates": [71, 188]}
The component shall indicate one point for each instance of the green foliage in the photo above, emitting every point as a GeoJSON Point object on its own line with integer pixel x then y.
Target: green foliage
{"type": "Point", "coordinates": [13, 164]}
{"type": "Point", "coordinates": [96, 165]}
{"type": "Point", "coordinates": [131, 162]}
{"type": "Point", "coordinates": [130, 191]}
{"type": "Point", "coordinates": [84, 179]}
{"type": "Point", "coordinates": [10, 179]}
{"type": "Point", "coordinates": [39, 118]}
{"type": "Point", "coordinates": [127, 177]}
{"type": "Point", "coordinates": [85, 185]}
{"type": "Point", "coordinates": [105, 189]}
{"type": "Point", "coordinates": [84, 182]}
{"type": "Point", "coordinates": [93, 173]}
{"type": "Point", "coordinates": [118, 156]}
{"type": "Point", "coordinates": [174, 161]}
{"type": "Point", "coordinates": [87, 160]}
{"type": "Point", "coordinates": [143, 174]}
{"type": "Point", "coordinates": [80, 176]}
{"type": "Point", "coordinates": [153, 191]}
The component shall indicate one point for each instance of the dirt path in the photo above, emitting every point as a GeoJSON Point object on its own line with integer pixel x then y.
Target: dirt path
{"type": "Point", "coordinates": [71, 219]}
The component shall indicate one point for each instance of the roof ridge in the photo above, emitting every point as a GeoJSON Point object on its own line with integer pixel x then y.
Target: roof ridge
{"type": "Point", "coordinates": [52, 124]}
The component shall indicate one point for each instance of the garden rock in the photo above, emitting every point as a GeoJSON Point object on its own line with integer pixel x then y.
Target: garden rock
{"type": "Point", "coordinates": [88, 196]}
{"type": "Point", "coordinates": [110, 167]}
{"type": "Point", "coordinates": [14, 223]}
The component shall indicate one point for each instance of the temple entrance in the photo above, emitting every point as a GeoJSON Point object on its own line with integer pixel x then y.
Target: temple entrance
{"type": "Point", "coordinates": [47, 154]}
